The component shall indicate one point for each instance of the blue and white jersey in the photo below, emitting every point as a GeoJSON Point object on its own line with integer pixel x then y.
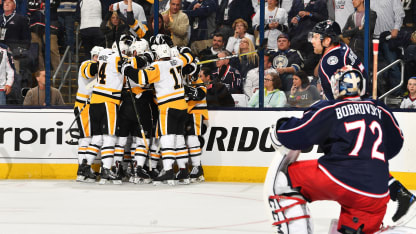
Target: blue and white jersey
{"type": "Point", "coordinates": [358, 137]}
{"type": "Point", "coordinates": [334, 59]}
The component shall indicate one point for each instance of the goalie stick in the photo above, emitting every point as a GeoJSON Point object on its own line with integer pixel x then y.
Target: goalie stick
{"type": "Point", "coordinates": [134, 103]}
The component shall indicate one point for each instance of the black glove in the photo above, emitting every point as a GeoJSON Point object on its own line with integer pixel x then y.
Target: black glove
{"type": "Point", "coordinates": [191, 92]}
{"type": "Point", "coordinates": [185, 49]}
{"type": "Point", "coordinates": [189, 69]}
{"type": "Point", "coordinates": [141, 61]}
{"type": "Point", "coordinates": [280, 122]}
{"type": "Point", "coordinates": [149, 56]}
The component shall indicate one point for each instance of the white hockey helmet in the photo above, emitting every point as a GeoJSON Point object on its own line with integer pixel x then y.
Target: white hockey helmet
{"type": "Point", "coordinates": [162, 51]}
{"type": "Point", "coordinates": [125, 42]}
{"type": "Point", "coordinates": [104, 54]}
{"type": "Point", "coordinates": [96, 51]}
{"type": "Point", "coordinates": [140, 46]}
{"type": "Point", "coordinates": [347, 82]}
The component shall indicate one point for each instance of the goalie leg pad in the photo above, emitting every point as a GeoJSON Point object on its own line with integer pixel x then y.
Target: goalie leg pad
{"type": "Point", "coordinates": [287, 208]}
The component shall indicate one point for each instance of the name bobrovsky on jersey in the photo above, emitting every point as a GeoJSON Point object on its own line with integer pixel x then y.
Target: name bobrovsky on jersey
{"type": "Point", "coordinates": [357, 109]}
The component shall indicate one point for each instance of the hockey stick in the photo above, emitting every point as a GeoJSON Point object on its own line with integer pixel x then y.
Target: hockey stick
{"type": "Point", "coordinates": [68, 136]}
{"type": "Point", "coordinates": [375, 64]}
{"type": "Point", "coordinates": [261, 47]}
{"type": "Point", "coordinates": [132, 98]}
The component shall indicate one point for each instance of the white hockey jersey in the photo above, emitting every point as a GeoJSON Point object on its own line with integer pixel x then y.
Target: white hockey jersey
{"type": "Point", "coordinates": [167, 79]}
{"type": "Point", "coordinates": [110, 81]}
{"type": "Point", "coordinates": [86, 74]}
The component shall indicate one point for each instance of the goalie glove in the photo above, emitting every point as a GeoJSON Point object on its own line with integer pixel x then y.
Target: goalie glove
{"type": "Point", "coordinates": [273, 133]}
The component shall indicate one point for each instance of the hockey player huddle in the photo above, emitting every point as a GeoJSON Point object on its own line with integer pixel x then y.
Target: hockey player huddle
{"type": "Point", "coordinates": [141, 106]}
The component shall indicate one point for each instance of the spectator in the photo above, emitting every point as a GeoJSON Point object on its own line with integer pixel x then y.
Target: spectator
{"type": "Point", "coordinates": [240, 31]}
{"type": "Point", "coordinates": [162, 28]}
{"type": "Point", "coordinates": [217, 92]}
{"type": "Point", "coordinates": [177, 23]}
{"type": "Point", "coordinates": [275, 21]}
{"type": "Point", "coordinates": [37, 32]}
{"type": "Point", "coordinates": [390, 16]}
{"type": "Point", "coordinates": [201, 15]}
{"type": "Point", "coordinates": [227, 74]}
{"type": "Point", "coordinates": [246, 62]}
{"type": "Point", "coordinates": [15, 31]}
{"type": "Point", "coordinates": [230, 10]}
{"type": "Point", "coordinates": [66, 12]}
{"type": "Point", "coordinates": [354, 28]}
{"type": "Point", "coordinates": [286, 61]}
{"type": "Point", "coordinates": [36, 96]}
{"type": "Point", "coordinates": [409, 101]}
{"type": "Point", "coordinates": [138, 11]}
{"type": "Point", "coordinates": [90, 13]}
{"type": "Point", "coordinates": [303, 16]}
{"type": "Point", "coordinates": [273, 96]}
{"type": "Point", "coordinates": [302, 93]}
{"type": "Point", "coordinates": [343, 8]}
{"type": "Point", "coordinates": [251, 84]}
{"type": "Point", "coordinates": [6, 75]}
{"type": "Point", "coordinates": [110, 24]}
{"type": "Point", "coordinates": [211, 52]}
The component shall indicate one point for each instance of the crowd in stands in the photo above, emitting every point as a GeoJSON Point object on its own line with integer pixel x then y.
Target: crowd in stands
{"type": "Point", "coordinates": [216, 29]}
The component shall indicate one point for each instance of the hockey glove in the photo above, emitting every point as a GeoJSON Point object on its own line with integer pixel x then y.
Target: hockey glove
{"type": "Point", "coordinates": [141, 61]}
{"type": "Point", "coordinates": [149, 56]}
{"type": "Point", "coordinates": [191, 92]}
{"type": "Point", "coordinates": [189, 69]}
{"type": "Point", "coordinates": [124, 65]}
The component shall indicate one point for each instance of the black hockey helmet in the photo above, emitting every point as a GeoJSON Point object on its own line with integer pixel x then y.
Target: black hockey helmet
{"type": "Point", "coordinates": [327, 28]}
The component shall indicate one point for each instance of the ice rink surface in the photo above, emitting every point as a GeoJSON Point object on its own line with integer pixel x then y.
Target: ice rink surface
{"type": "Point", "coordinates": [62, 206]}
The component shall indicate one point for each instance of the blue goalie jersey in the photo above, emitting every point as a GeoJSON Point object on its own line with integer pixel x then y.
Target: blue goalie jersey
{"type": "Point", "coordinates": [337, 58]}
{"type": "Point", "coordinates": [357, 137]}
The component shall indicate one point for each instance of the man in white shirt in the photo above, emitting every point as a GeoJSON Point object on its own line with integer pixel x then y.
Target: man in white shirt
{"type": "Point", "coordinates": [138, 11]}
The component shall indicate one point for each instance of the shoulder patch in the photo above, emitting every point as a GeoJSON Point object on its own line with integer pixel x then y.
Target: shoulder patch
{"type": "Point", "coordinates": [332, 60]}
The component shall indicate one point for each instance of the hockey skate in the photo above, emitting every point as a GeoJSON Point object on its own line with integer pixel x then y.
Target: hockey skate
{"type": "Point", "coordinates": [141, 176]}
{"type": "Point", "coordinates": [89, 174]}
{"type": "Point", "coordinates": [106, 176]}
{"type": "Point", "coordinates": [406, 209]}
{"type": "Point", "coordinates": [118, 173]}
{"type": "Point", "coordinates": [182, 176]}
{"type": "Point", "coordinates": [197, 174]}
{"type": "Point", "coordinates": [80, 172]}
{"type": "Point", "coordinates": [165, 177]}
{"type": "Point", "coordinates": [153, 173]}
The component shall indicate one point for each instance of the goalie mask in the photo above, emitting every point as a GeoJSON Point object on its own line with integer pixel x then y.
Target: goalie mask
{"type": "Point", "coordinates": [139, 46]}
{"type": "Point", "coordinates": [347, 82]}
{"type": "Point", "coordinates": [162, 51]}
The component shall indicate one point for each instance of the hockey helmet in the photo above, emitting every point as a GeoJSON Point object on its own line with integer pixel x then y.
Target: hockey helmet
{"type": "Point", "coordinates": [140, 46]}
{"type": "Point", "coordinates": [126, 40]}
{"type": "Point", "coordinates": [347, 82]}
{"type": "Point", "coordinates": [327, 28]}
{"type": "Point", "coordinates": [96, 51]}
{"type": "Point", "coordinates": [162, 51]}
{"type": "Point", "coordinates": [160, 39]}
{"type": "Point", "coordinates": [104, 54]}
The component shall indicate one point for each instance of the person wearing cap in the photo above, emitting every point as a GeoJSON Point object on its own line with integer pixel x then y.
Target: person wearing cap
{"type": "Point", "coordinates": [14, 30]}
{"type": "Point", "coordinates": [286, 61]}
{"type": "Point", "coordinates": [409, 101]}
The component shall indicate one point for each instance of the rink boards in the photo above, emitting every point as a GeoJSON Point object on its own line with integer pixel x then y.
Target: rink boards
{"type": "Point", "coordinates": [235, 145]}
